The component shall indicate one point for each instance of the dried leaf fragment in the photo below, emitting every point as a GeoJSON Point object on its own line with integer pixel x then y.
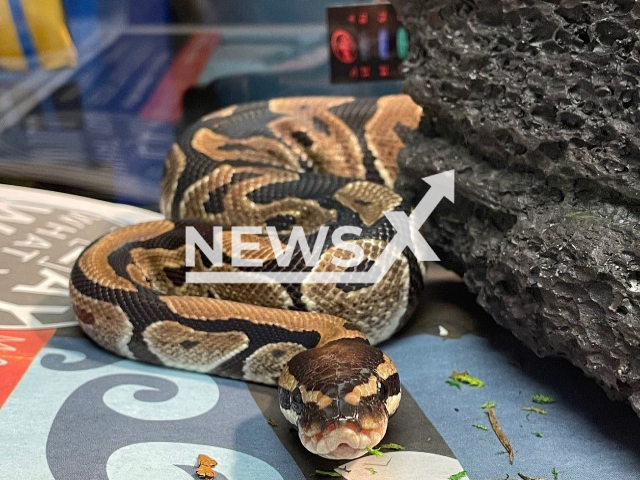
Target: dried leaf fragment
{"type": "Point", "coordinates": [493, 420]}
{"type": "Point", "coordinates": [391, 446]}
{"type": "Point", "coordinates": [454, 383]}
{"type": "Point", "coordinates": [535, 409]}
{"type": "Point", "coordinates": [206, 460]}
{"type": "Point", "coordinates": [464, 377]}
{"type": "Point", "coordinates": [375, 451]}
{"type": "Point", "coordinates": [458, 476]}
{"type": "Point", "coordinates": [205, 466]}
{"type": "Point", "coordinates": [542, 399]}
{"type": "Point", "coordinates": [205, 471]}
{"type": "Point", "coordinates": [272, 422]}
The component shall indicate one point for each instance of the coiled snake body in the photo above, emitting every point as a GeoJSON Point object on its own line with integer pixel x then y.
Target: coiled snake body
{"type": "Point", "coordinates": [310, 162]}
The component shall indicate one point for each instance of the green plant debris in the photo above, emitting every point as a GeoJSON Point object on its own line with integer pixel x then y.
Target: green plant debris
{"type": "Point", "coordinates": [486, 405]}
{"type": "Point", "coordinates": [458, 476]}
{"type": "Point", "coordinates": [480, 426]}
{"type": "Point", "coordinates": [554, 472]}
{"type": "Point", "coordinates": [375, 451]}
{"type": "Point", "coordinates": [535, 410]}
{"type": "Point", "coordinates": [391, 446]}
{"type": "Point", "coordinates": [326, 473]}
{"type": "Point", "coordinates": [527, 477]}
{"type": "Point", "coordinates": [454, 383]}
{"type": "Point", "coordinates": [464, 377]}
{"type": "Point", "coordinates": [538, 434]}
{"type": "Point", "coordinates": [542, 399]}
{"type": "Point", "coordinates": [372, 470]}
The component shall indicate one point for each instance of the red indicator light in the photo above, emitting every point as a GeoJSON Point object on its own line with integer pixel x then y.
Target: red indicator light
{"type": "Point", "coordinates": [343, 46]}
{"type": "Point", "coordinates": [382, 16]}
{"type": "Point", "coordinates": [365, 71]}
{"type": "Point", "coordinates": [383, 70]}
{"type": "Point", "coordinates": [351, 18]}
{"type": "Point", "coordinates": [354, 73]}
{"type": "Point", "coordinates": [363, 18]}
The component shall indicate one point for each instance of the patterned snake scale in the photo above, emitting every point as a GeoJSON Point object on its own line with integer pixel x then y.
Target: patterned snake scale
{"type": "Point", "coordinates": [308, 161]}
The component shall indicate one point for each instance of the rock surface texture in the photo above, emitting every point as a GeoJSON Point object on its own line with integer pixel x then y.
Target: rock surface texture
{"type": "Point", "coordinates": [536, 105]}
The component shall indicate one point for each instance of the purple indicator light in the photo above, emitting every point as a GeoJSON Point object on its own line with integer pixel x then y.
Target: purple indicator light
{"type": "Point", "coordinates": [383, 44]}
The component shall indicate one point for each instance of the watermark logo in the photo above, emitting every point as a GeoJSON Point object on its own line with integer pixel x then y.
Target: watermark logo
{"type": "Point", "coordinates": [407, 236]}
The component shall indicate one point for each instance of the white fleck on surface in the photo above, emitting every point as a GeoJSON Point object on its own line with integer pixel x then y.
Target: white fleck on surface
{"type": "Point", "coordinates": [401, 466]}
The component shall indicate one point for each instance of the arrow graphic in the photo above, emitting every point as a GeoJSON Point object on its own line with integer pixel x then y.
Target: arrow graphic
{"type": "Point", "coordinates": [407, 236]}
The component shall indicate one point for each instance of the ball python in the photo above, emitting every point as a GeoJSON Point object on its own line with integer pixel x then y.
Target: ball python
{"type": "Point", "coordinates": [287, 162]}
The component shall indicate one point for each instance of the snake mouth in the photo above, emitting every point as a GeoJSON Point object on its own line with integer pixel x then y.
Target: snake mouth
{"type": "Point", "coordinates": [343, 440]}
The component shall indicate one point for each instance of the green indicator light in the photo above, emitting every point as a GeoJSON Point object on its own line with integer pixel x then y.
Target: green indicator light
{"type": "Point", "coordinates": [402, 42]}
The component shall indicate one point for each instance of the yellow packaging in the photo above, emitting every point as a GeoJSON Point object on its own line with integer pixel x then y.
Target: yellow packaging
{"type": "Point", "coordinates": [11, 53]}
{"type": "Point", "coordinates": [49, 33]}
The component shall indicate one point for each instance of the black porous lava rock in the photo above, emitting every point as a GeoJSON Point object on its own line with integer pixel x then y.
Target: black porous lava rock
{"type": "Point", "coordinates": [536, 105]}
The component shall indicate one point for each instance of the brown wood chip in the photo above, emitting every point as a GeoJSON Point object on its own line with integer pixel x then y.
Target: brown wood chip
{"type": "Point", "coordinates": [206, 460]}
{"type": "Point", "coordinates": [205, 466]}
{"type": "Point", "coordinates": [205, 471]}
{"type": "Point", "coordinates": [493, 420]}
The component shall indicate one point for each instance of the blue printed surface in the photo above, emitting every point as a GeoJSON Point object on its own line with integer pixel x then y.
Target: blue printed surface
{"type": "Point", "coordinates": [81, 413]}
{"type": "Point", "coordinates": [584, 435]}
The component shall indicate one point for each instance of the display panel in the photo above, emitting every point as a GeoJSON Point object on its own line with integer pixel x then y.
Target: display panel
{"type": "Point", "coordinates": [366, 42]}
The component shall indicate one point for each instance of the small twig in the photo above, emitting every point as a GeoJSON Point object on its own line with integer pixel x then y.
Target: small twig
{"type": "Point", "coordinates": [380, 464]}
{"type": "Point", "coordinates": [493, 420]}
{"type": "Point", "coordinates": [526, 477]}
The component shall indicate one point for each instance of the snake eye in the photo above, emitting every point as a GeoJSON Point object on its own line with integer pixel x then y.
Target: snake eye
{"type": "Point", "coordinates": [296, 401]}
{"type": "Point", "coordinates": [296, 396]}
{"type": "Point", "coordinates": [382, 390]}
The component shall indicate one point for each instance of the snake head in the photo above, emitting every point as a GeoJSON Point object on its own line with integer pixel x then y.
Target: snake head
{"type": "Point", "coordinates": [340, 397]}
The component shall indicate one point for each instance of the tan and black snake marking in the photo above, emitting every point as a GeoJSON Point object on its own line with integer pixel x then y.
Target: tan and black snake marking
{"type": "Point", "coordinates": [310, 162]}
